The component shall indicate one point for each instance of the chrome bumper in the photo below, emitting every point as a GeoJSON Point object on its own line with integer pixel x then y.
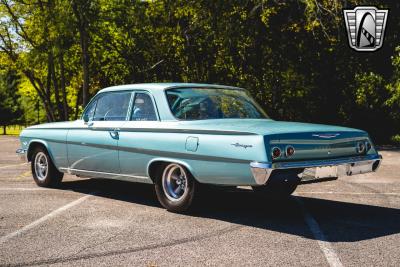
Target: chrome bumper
{"type": "Point", "coordinates": [318, 168]}
{"type": "Point", "coordinates": [22, 154]}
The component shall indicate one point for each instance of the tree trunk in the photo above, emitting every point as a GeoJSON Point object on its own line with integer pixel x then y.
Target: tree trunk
{"type": "Point", "coordinates": [63, 91]}
{"type": "Point", "coordinates": [52, 68]}
{"type": "Point", "coordinates": [77, 104]}
{"type": "Point", "coordinates": [80, 12]}
{"type": "Point", "coordinates": [4, 129]}
{"type": "Point", "coordinates": [85, 61]}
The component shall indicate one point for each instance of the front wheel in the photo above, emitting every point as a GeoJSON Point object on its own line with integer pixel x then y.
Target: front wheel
{"type": "Point", "coordinates": [175, 188]}
{"type": "Point", "coordinates": [281, 184]}
{"type": "Point", "coordinates": [44, 172]}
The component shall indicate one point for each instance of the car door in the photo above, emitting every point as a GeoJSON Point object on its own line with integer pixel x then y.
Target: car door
{"type": "Point", "coordinates": [138, 141]}
{"type": "Point", "coordinates": [93, 147]}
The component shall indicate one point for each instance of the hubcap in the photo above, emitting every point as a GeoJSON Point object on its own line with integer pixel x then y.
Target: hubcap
{"type": "Point", "coordinates": [41, 166]}
{"type": "Point", "coordinates": [174, 182]}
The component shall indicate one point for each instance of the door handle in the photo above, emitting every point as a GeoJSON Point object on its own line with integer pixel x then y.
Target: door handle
{"type": "Point", "coordinates": [115, 133]}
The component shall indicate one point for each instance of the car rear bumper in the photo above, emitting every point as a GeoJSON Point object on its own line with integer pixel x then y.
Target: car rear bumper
{"type": "Point", "coordinates": [22, 154]}
{"type": "Point", "coordinates": [318, 168]}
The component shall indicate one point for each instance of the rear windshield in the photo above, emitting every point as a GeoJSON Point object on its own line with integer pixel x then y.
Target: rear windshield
{"type": "Point", "coordinates": [212, 103]}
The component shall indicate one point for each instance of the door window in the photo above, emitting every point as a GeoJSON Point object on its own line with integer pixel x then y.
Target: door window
{"type": "Point", "coordinates": [112, 107]}
{"type": "Point", "coordinates": [143, 108]}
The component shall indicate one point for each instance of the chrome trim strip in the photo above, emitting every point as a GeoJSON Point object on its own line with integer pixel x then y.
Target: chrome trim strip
{"type": "Point", "coordinates": [313, 163]}
{"type": "Point", "coordinates": [137, 178]}
{"type": "Point", "coordinates": [327, 162]}
{"type": "Point", "coordinates": [317, 141]}
{"type": "Point", "coordinates": [153, 152]}
{"type": "Point", "coordinates": [155, 130]}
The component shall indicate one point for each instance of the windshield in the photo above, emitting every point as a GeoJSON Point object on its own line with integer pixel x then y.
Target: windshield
{"type": "Point", "coordinates": [212, 103]}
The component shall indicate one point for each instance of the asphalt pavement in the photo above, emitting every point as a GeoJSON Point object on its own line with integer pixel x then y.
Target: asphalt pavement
{"type": "Point", "coordinates": [353, 221]}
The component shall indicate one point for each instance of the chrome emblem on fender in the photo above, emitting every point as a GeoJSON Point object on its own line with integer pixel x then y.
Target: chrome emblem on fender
{"type": "Point", "coordinates": [365, 27]}
{"type": "Point", "coordinates": [326, 135]}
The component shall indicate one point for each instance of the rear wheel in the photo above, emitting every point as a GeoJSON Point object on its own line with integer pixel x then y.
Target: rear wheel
{"type": "Point", "coordinates": [175, 188]}
{"type": "Point", "coordinates": [281, 184]}
{"type": "Point", "coordinates": [44, 172]}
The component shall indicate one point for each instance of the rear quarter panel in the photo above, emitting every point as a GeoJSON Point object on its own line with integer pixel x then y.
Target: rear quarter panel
{"type": "Point", "coordinates": [217, 160]}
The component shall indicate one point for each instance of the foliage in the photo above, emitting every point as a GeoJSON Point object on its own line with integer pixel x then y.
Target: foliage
{"type": "Point", "coordinates": [10, 111]}
{"type": "Point", "coordinates": [293, 56]}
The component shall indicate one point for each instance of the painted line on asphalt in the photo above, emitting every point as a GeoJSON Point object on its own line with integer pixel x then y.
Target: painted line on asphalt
{"type": "Point", "coordinates": [330, 255]}
{"type": "Point", "coordinates": [14, 165]}
{"type": "Point", "coordinates": [350, 193]}
{"type": "Point", "coordinates": [24, 189]}
{"type": "Point", "coordinates": [43, 219]}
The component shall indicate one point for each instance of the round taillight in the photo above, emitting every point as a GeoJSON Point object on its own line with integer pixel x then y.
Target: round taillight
{"type": "Point", "coordinates": [360, 147]}
{"type": "Point", "coordinates": [276, 152]}
{"type": "Point", "coordinates": [289, 151]}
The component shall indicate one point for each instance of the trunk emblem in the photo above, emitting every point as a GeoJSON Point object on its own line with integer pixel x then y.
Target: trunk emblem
{"type": "Point", "coordinates": [326, 135]}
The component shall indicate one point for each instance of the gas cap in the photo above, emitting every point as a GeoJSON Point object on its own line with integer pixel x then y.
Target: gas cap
{"type": "Point", "coordinates": [192, 143]}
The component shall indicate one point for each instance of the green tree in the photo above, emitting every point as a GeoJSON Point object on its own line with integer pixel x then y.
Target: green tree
{"type": "Point", "coordinates": [10, 110]}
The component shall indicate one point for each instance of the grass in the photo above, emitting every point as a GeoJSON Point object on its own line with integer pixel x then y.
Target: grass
{"type": "Point", "coordinates": [12, 129]}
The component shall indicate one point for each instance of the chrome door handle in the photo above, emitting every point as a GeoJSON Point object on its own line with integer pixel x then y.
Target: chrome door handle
{"type": "Point", "coordinates": [115, 133]}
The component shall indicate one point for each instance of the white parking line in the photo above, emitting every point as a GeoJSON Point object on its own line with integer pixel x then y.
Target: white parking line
{"type": "Point", "coordinates": [24, 189]}
{"type": "Point", "coordinates": [43, 219]}
{"type": "Point", "coordinates": [330, 255]}
{"type": "Point", "coordinates": [14, 165]}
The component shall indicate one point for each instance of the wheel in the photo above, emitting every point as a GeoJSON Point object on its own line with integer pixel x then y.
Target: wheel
{"type": "Point", "coordinates": [280, 185]}
{"type": "Point", "coordinates": [44, 172]}
{"type": "Point", "coordinates": [175, 188]}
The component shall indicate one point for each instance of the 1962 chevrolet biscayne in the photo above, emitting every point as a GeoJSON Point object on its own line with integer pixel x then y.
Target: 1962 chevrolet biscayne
{"type": "Point", "coordinates": [180, 136]}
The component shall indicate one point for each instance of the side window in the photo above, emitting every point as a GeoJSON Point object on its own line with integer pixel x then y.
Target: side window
{"type": "Point", "coordinates": [143, 108]}
{"type": "Point", "coordinates": [112, 107]}
{"type": "Point", "coordinates": [90, 110]}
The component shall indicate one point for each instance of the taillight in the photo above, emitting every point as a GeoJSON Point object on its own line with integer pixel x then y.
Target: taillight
{"type": "Point", "coordinates": [360, 147]}
{"type": "Point", "coordinates": [276, 152]}
{"type": "Point", "coordinates": [289, 151]}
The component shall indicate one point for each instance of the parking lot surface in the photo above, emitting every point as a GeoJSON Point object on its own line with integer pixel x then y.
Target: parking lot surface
{"type": "Point", "coordinates": [353, 221]}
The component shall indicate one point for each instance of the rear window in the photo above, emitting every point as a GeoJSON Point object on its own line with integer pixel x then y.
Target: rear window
{"type": "Point", "coordinates": [212, 103]}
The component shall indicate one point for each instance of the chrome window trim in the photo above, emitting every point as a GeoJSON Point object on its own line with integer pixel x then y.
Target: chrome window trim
{"type": "Point", "coordinates": [138, 91]}
{"type": "Point", "coordinates": [97, 96]}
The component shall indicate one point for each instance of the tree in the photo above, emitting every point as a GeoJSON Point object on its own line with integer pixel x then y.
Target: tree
{"type": "Point", "coordinates": [10, 110]}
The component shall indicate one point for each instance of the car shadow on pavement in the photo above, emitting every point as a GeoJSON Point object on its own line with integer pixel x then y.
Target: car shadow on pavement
{"type": "Point", "coordinates": [340, 221]}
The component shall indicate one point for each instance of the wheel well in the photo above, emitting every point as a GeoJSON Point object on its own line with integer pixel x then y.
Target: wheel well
{"type": "Point", "coordinates": [32, 147]}
{"type": "Point", "coordinates": [155, 169]}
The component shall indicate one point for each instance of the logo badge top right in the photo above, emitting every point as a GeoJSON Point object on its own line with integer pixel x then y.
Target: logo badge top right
{"type": "Point", "coordinates": [365, 27]}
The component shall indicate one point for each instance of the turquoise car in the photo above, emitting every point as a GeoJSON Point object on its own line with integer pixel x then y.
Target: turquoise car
{"type": "Point", "coordinates": [185, 137]}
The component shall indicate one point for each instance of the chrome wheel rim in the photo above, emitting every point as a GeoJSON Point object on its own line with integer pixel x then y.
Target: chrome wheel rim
{"type": "Point", "coordinates": [175, 182]}
{"type": "Point", "coordinates": [41, 166]}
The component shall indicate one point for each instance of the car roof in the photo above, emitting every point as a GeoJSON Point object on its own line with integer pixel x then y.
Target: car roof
{"type": "Point", "coordinates": [163, 86]}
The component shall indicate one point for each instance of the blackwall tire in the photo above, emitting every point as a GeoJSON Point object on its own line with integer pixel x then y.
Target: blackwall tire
{"type": "Point", "coordinates": [44, 173]}
{"type": "Point", "coordinates": [175, 188]}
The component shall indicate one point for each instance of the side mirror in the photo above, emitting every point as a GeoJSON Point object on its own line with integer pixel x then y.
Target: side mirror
{"type": "Point", "coordinates": [85, 118]}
